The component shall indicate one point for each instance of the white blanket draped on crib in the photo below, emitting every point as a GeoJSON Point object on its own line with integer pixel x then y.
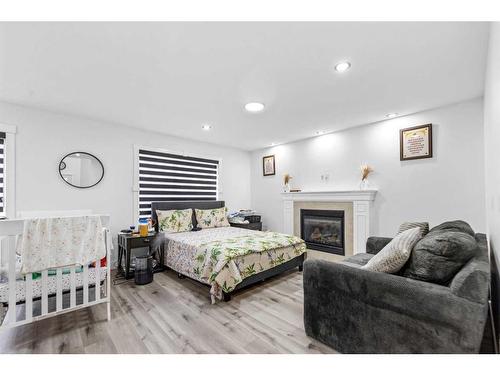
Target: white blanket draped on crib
{"type": "Point", "coordinates": [63, 241]}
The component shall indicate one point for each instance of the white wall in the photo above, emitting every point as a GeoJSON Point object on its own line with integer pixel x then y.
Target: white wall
{"type": "Point", "coordinates": [492, 159]}
{"type": "Point", "coordinates": [448, 186]}
{"type": "Point", "coordinates": [43, 138]}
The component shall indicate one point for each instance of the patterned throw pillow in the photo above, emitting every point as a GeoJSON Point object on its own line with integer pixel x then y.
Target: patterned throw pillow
{"type": "Point", "coordinates": [212, 218]}
{"type": "Point", "coordinates": [424, 227]}
{"type": "Point", "coordinates": [395, 254]}
{"type": "Point", "coordinates": [173, 221]}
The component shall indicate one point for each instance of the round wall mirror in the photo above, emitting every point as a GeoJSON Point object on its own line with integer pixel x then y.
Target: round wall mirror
{"type": "Point", "coordinates": [81, 170]}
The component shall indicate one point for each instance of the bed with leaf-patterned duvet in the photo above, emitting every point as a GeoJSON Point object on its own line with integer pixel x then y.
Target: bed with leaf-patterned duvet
{"type": "Point", "coordinates": [223, 257]}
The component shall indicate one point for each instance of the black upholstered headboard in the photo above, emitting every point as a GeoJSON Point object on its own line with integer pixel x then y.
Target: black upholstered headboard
{"type": "Point", "coordinates": [175, 205]}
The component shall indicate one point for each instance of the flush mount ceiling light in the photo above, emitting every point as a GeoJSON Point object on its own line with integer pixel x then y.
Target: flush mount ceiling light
{"type": "Point", "coordinates": [254, 107]}
{"type": "Point", "coordinates": [391, 115]}
{"type": "Point", "coordinates": [206, 127]}
{"type": "Point", "coordinates": [341, 67]}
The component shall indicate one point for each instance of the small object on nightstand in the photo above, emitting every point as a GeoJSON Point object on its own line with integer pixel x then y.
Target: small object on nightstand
{"type": "Point", "coordinates": [143, 227]}
{"type": "Point", "coordinates": [251, 226]}
{"type": "Point", "coordinates": [252, 218]}
{"type": "Point", "coordinates": [245, 219]}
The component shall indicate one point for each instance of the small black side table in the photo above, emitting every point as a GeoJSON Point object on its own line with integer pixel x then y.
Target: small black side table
{"type": "Point", "coordinates": [128, 242]}
{"type": "Point", "coordinates": [251, 226]}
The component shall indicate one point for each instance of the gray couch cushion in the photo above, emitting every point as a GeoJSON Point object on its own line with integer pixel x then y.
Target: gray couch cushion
{"type": "Point", "coordinates": [440, 255]}
{"type": "Point", "coordinates": [359, 259]}
{"type": "Point", "coordinates": [454, 226]}
{"type": "Point", "coordinates": [375, 244]}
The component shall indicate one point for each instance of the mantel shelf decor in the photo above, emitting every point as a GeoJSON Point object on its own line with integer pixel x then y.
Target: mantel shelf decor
{"type": "Point", "coordinates": [286, 182]}
{"type": "Point", "coordinates": [365, 171]}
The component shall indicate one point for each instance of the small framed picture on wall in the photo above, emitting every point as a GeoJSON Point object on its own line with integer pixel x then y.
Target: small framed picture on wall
{"type": "Point", "coordinates": [268, 166]}
{"type": "Point", "coordinates": [415, 142]}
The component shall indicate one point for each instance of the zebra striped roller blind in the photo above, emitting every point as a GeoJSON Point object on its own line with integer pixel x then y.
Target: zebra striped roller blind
{"type": "Point", "coordinates": [169, 177]}
{"type": "Point", "coordinates": [2, 174]}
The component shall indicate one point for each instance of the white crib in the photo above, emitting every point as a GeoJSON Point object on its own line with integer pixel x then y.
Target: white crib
{"type": "Point", "coordinates": [28, 291]}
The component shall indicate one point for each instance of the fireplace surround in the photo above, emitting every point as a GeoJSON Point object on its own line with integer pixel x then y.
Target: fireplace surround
{"type": "Point", "coordinates": [358, 221]}
{"type": "Point", "coordinates": [323, 230]}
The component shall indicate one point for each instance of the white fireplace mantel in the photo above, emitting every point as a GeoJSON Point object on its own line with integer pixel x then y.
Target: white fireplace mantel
{"type": "Point", "coordinates": [361, 203]}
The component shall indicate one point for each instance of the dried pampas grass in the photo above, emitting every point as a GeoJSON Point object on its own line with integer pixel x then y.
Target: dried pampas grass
{"type": "Point", "coordinates": [365, 171]}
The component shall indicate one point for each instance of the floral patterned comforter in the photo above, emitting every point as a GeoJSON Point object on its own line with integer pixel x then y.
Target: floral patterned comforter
{"type": "Point", "coordinates": [223, 257]}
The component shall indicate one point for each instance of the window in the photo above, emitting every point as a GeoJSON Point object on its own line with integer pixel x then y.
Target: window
{"type": "Point", "coordinates": [2, 174]}
{"type": "Point", "coordinates": [7, 171]}
{"type": "Point", "coordinates": [166, 176]}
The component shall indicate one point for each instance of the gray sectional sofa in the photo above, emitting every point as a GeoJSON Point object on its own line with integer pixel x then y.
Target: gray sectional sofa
{"type": "Point", "coordinates": [359, 311]}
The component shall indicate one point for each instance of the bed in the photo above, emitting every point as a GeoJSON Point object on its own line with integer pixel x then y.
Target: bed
{"type": "Point", "coordinates": [227, 258]}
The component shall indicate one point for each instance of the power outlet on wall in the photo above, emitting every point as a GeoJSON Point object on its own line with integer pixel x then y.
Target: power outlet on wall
{"type": "Point", "coordinates": [325, 177]}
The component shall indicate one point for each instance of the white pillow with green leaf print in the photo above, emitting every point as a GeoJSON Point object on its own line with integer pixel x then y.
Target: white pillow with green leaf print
{"type": "Point", "coordinates": [213, 218]}
{"type": "Point", "coordinates": [173, 221]}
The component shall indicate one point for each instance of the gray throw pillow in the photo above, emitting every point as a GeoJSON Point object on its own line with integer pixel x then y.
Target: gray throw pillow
{"type": "Point", "coordinates": [395, 254]}
{"type": "Point", "coordinates": [437, 257]}
{"type": "Point", "coordinates": [454, 226]}
{"type": "Point", "coordinates": [424, 227]}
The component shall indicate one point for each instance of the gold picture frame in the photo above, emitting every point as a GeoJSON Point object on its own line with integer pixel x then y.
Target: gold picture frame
{"type": "Point", "coordinates": [415, 142]}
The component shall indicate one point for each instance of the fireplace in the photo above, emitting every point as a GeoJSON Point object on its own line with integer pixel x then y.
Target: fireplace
{"type": "Point", "coordinates": [323, 230]}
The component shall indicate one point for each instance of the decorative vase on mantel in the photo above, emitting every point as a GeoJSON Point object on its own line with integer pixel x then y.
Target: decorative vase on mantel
{"type": "Point", "coordinates": [364, 184]}
{"type": "Point", "coordinates": [286, 182]}
{"type": "Point", "coordinates": [365, 171]}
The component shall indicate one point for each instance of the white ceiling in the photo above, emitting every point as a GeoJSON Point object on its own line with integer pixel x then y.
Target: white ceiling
{"type": "Point", "coordinates": [173, 77]}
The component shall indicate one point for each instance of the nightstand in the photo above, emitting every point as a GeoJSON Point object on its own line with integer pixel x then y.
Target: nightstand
{"type": "Point", "coordinates": [251, 226]}
{"type": "Point", "coordinates": [127, 243]}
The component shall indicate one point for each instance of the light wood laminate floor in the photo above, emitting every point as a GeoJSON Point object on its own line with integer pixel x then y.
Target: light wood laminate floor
{"type": "Point", "coordinates": [174, 315]}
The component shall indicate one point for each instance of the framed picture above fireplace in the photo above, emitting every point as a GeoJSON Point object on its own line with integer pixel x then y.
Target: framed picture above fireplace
{"type": "Point", "coordinates": [268, 166]}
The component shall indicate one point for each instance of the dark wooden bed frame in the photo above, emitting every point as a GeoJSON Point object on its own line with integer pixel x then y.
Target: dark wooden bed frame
{"type": "Point", "coordinates": [207, 205]}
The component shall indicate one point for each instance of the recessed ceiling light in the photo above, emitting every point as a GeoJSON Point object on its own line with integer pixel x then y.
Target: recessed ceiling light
{"type": "Point", "coordinates": [320, 132]}
{"type": "Point", "coordinates": [391, 115]}
{"type": "Point", "coordinates": [254, 107]}
{"type": "Point", "coordinates": [206, 126]}
{"type": "Point", "coordinates": [342, 66]}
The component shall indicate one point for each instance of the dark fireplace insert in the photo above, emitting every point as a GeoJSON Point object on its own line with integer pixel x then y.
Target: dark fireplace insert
{"type": "Point", "coordinates": [323, 230]}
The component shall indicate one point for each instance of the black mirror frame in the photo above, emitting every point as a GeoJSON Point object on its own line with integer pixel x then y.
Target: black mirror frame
{"type": "Point", "coordinates": [86, 153]}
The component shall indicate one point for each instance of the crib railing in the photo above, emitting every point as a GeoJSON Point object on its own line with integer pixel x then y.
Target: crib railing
{"type": "Point", "coordinates": [10, 230]}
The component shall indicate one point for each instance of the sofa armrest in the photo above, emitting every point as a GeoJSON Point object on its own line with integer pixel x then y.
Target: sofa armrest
{"type": "Point", "coordinates": [472, 281]}
{"type": "Point", "coordinates": [360, 311]}
{"type": "Point", "coordinates": [375, 244]}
